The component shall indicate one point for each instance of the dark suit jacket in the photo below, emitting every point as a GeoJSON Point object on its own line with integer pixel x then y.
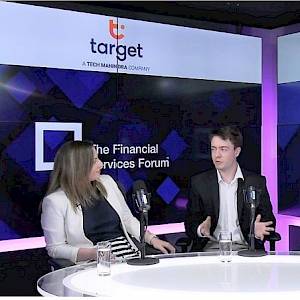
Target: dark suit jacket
{"type": "Point", "coordinates": [204, 201]}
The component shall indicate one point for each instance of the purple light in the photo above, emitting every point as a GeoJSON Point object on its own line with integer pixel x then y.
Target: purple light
{"type": "Point", "coordinates": [269, 116]}
{"type": "Point", "coordinates": [167, 228]}
{"type": "Point", "coordinates": [22, 244]}
{"type": "Point", "coordinates": [269, 127]}
{"type": "Point", "coordinates": [39, 242]}
{"type": "Point", "coordinates": [181, 203]}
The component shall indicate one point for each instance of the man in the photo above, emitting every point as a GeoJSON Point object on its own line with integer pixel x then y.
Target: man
{"type": "Point", "coordinates": [216, 199]}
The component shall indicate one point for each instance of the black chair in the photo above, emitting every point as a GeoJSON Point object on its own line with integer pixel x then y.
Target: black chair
{"type": "Point", "coordinates": [185, 243]}
{"type": "Point", "coordinates": [59, 263]}
{"type": "Point", "coordinates": [273, 238]}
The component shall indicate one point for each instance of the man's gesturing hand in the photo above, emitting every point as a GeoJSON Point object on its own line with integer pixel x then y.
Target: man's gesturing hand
{"type": "Point", "coordinates": [205, 227]}
{"type": "Point", "coordinates": [262, 228]}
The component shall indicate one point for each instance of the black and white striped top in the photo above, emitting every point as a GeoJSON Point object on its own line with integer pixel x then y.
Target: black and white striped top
{"type": "Point", "coordinates": [120, 247]}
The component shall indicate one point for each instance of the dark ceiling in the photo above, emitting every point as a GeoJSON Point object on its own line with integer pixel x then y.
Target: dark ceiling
{"type": "Point", "coordinates": [261, 14]}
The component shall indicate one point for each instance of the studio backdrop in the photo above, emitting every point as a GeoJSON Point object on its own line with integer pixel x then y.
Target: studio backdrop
{"type": "Point", "coordinates": [147, 95]}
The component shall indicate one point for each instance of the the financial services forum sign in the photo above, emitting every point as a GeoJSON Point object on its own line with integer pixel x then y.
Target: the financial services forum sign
{"type": "Point", "coordinates": [54, 38]}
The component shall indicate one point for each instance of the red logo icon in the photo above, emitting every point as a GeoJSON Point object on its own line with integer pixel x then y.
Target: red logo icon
{"type": "Point", "coordinates": [113, 30]}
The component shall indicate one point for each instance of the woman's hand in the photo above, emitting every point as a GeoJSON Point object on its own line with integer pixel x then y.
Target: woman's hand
{"type": "Point", "coordinates": [85, 254]}
{"type": "Point", "coordinates": [163, 246]}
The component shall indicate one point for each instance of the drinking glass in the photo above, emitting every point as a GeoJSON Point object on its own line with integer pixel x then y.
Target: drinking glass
{"type": "Point", "coordinates": [103, 258]}
{"type": "Point", "coordinates": [225, 246]}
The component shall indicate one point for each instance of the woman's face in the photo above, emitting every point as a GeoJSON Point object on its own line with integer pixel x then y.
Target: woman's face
{"type": "Point", "coordinates": [96, 168]}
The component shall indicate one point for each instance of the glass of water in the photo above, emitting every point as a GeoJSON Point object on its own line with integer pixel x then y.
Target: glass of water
{"type": "Point", "coordinates": [225, 246]}
{"type": "Point", "coordinates": [103, 258]}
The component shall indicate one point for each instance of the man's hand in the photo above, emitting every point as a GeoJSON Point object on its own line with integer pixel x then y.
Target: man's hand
{"type": "Point", "coordinates": [205, 227]}
{"type": "Point", "coordinates": [262, 228]}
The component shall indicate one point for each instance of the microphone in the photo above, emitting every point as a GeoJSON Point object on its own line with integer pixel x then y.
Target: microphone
{"type": "Point", "coordinates": [252, 192]}
{"type": "Point", "coordinates": [141, 198]}
{"type": "Point", "coordinates": [251, 197]}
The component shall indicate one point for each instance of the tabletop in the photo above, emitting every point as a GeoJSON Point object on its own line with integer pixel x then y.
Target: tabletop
{"type": "Point", "coordinates": [181, 275]}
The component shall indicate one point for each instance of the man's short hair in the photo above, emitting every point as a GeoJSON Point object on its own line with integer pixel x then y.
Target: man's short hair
{"type": "Point", "coordinates": [231, 133]}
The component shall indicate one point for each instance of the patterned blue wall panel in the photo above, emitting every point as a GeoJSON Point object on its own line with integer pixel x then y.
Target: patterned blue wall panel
{"type": "Point", "coordinates": [133, 134]}
{"type": "Point", "coordinates": [20, 87]}
{"type": "Point", "coordinates": [174, 145]}
{"type": "Point", "coordinates": [175, 114]}
{"type": "Point", "coordinates": [78, 86]}
{"type": "Point", "coordinates": [41, 80]}
{"type": "Point", "coordinates": [168, 190]}
{"type": "Point", "coordinates": [3, 69]}
{"type": "Point", "coordinates": [125, 178]}
{"type": "Point", "coordinates": [6, 232]}
{"type": "Point", "coordinates": [288, 103]}
{"type": "Point", "coordinates": [286, 135]}
{"type": "Point", "coordinates": [294, 238]}
{"type": "Point", "coordinates": [289, 169]}
{"type": "Point", "coordinates": [221, 100]}
{"type": "Point", "coordinates": [10, 109]}
{"type": "Point", "coordinates": [21, 151]}
{"type": "Point", "coordinates": [288, 151]}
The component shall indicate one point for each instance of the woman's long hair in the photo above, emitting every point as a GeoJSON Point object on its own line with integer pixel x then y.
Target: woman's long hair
{"type": "Point", "coordinates": [72, 165]}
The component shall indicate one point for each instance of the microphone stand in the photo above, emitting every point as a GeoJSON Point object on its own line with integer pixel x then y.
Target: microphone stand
{"type": "Point", "coordinates": [251, 251]}
{"type": "Point", "coordinates": [252, 229]}
{"type": "Point", "coordinates": [143, 260]}
{"type": "Point", "coordinates": [142, 233]}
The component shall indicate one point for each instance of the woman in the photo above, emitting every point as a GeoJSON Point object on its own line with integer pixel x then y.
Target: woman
{"type": "Point", "coordinates": [82, 207]}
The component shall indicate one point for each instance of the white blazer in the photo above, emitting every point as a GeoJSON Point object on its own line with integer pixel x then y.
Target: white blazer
{"type": "Point", "coordinates": [63, 226]}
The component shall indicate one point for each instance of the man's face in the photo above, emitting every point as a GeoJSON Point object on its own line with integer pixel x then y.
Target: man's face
{"type": "Point", "coordinates": [223, 154]}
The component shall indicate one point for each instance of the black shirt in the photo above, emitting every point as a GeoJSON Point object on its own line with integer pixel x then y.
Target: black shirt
{"type": "Point", "coordinates": [101, 222]}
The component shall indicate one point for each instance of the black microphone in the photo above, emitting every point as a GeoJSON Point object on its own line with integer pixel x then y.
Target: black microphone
{"type": "Point", "coordinates": [251, 197]}
{"type": "Point", "coordinates": [251, 191]}
{"type": "Point", "coordinates": [141, 197]}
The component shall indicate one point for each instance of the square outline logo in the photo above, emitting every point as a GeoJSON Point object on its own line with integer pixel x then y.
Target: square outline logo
{"type": "Point", "coordinates": [40, 127]}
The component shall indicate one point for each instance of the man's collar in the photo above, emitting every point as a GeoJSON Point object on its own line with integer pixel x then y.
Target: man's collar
{"type": "Point", "coordinates": [238, 174]}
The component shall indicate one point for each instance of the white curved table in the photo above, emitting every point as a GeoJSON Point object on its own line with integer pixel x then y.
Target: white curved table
{"type": "Point", "coordinates": [182, 277]}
